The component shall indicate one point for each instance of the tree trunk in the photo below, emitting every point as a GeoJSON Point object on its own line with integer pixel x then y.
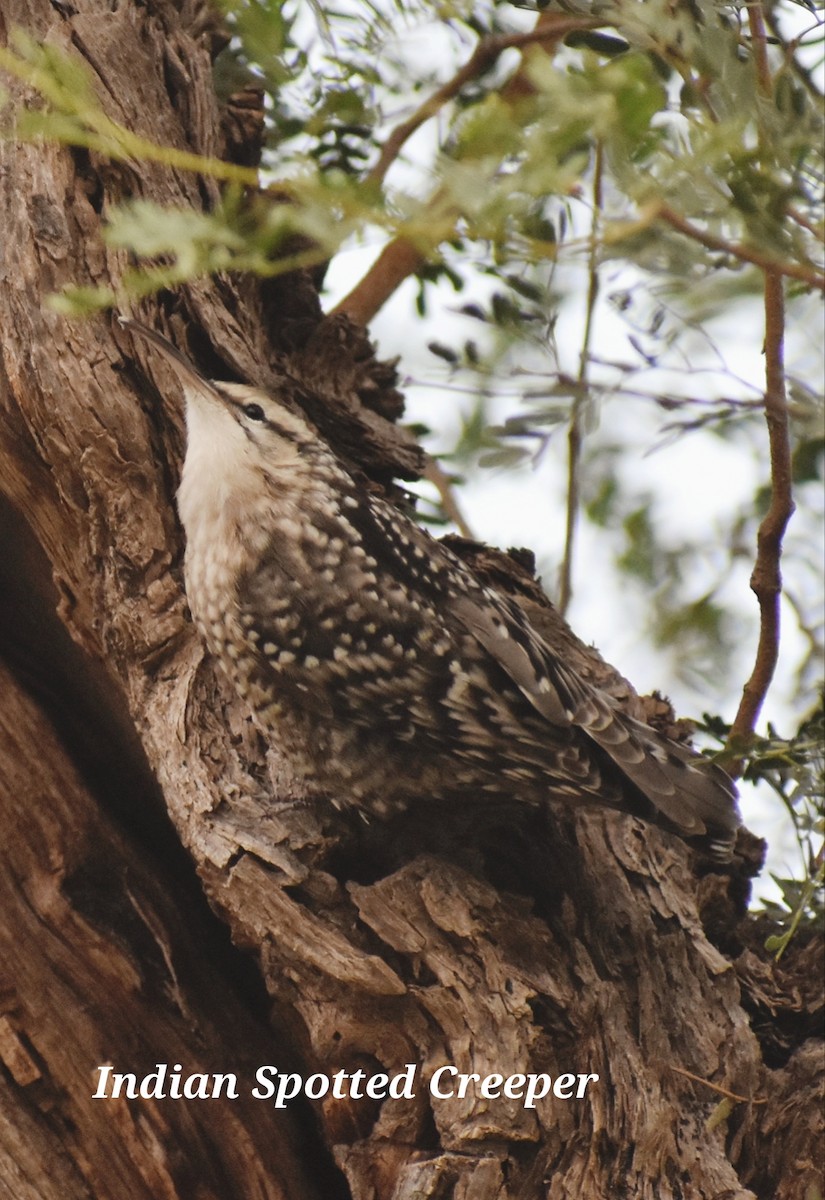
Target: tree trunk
{"type": "Point", "coordinates": [530, 944]}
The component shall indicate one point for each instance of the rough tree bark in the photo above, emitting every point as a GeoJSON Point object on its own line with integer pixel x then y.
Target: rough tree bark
{"type": "Point", "coordinates": [521, 943]}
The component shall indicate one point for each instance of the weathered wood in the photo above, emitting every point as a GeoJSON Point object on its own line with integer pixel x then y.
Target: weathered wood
{"type": "Point", "coordinates": [102, 965]}
{"type": "Point", "coordinates": [497, 942]}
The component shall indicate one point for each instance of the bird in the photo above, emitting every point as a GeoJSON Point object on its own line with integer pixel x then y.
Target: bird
{"type": "Point", "coordinates": [386, 672]}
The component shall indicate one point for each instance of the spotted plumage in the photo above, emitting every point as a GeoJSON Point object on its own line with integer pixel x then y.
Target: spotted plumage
{"type": "Point", "coordinates": [385, 670]}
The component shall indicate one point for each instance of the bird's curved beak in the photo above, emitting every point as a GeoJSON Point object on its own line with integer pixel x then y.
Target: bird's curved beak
{"type": "Point", "coordinates": [185, 369]}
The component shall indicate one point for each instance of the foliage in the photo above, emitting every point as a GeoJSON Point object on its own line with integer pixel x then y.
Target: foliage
{"type": "Point", "coordinates": [794, 769]}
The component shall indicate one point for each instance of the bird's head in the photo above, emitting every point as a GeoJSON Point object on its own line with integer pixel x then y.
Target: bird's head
{"type": "Point", "coordinates": [242, 443]}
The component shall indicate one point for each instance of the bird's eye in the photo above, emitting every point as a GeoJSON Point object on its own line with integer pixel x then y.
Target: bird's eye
{"type": "Point", "coordinates": [254, 412]}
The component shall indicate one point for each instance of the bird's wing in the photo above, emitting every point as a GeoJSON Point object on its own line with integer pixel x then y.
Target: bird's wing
{"type": "Point", "coordinates": [691, 793]}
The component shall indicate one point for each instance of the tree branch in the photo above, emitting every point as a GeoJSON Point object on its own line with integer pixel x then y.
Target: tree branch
{"type": "Point", "coordinates": [435, 474]}
{"type": "Point", "coordinates": [550, 28]}
{"type": "Point", "coordinates": [800, 218]}
{"type": "Point", "coordinates": [402, 257]}
{"type": "Point", "coordinates": [766, 579]}
{"type": "Point", "coordinates": [756, 20]}
{"type": "Point", "coordinates": [398, 260]}
{"type": "Point", "coordinates": [809, 275]}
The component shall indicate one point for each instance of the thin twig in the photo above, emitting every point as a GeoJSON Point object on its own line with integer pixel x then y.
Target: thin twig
{"type": "Point", "coordinates": [816, 650]}
{"type": "Point", "coordinates": [403, 256]}
{"type": "Point", "coordinates": [805, 75]}
{"type": "Point", "coordinates": [435, 474]}
{"type": "Point", "coordinates": [486, 51]}
{"type": "Point", "coordinates": [809, 889]}
{"type": "Point", "coordinates": [800, 218]}
{"type": "Point", "coordinates": [715, 1087]}
{"type": "Point", "coordinates": [582, 395]}
{"type": "Point", "coordinates": [775, 266]}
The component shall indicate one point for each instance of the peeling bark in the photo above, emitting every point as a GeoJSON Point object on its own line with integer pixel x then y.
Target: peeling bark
{"type": "Point", "coordinates": [102, 965]}
{"type": "Point", "coordinates": [505, 942]}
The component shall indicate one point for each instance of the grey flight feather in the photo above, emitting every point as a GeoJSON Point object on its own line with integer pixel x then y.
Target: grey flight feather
{"type": "Point", "coordinates": [692, 793]}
